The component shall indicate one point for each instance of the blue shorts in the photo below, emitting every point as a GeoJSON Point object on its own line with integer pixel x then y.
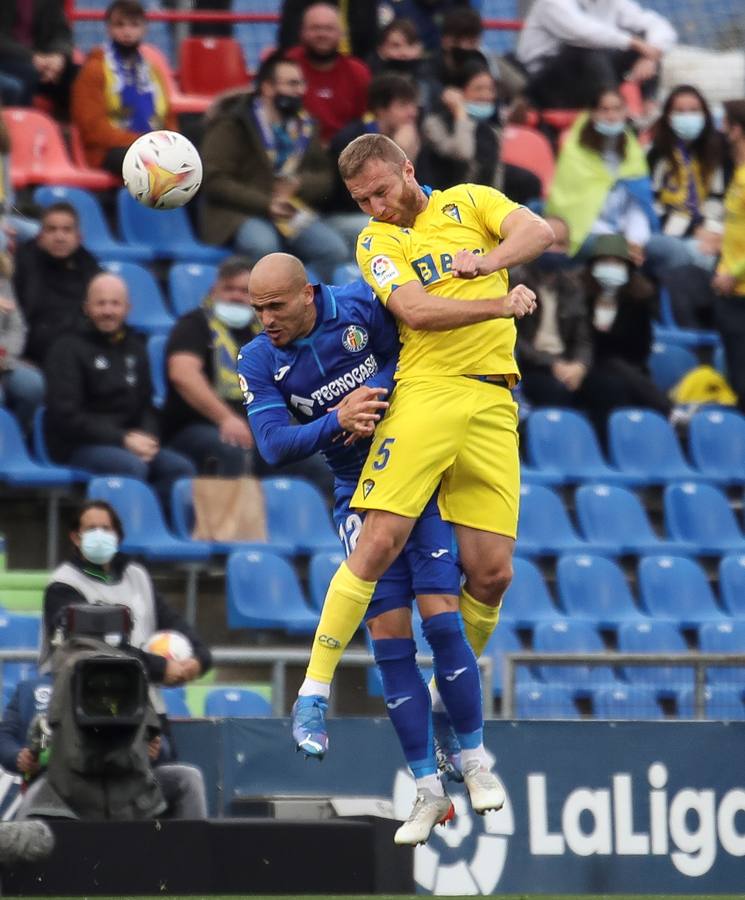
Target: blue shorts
{"type": "Point", "coordinates": [428, 564]}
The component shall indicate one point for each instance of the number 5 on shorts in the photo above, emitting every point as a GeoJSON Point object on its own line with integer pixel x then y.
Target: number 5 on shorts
{"type": "Point", "coordinates": [382, 455]}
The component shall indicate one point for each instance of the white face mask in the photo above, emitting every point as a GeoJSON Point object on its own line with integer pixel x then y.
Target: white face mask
{"type": "Point", "coordinates": [234, 315]}
{"type": "Point", "coordinates": [604, 316]}
{"type": "Point", "coordinates": [610, 275]}
{"type": "Point", "coordinates": [99, 545]}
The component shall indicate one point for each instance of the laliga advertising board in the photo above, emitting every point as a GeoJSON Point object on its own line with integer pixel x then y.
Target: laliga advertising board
{"type": "Point", "coordinates": [593, 807]}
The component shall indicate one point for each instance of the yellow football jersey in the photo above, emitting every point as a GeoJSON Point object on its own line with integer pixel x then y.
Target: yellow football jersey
{"type": "Point", "coordinates": [464, 217]}
{"type": "Point", "coordinates": [733, 242]}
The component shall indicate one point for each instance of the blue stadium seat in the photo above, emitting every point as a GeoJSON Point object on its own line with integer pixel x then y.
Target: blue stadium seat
{"type": "Point", "coordinates": [167, 231]}
{"type": "Point", "coordinates": [296, 514]}
{"type": "Point", "coordinates": [632, 701]}
{"type": "Point", "coordinates": [545, 701]}
{"type": "Point", "coordinates": [668, 363]}
{"type": "Point", "coordinates": [94, 229]}
{"type": "Point", "coordinates": [255, 37]}
{"type": "Point", "coordinates": [320, 571]}
{"type": "Point", "coordinates": [346, 273]}
{"type": "Point", "coordinates": [722, 702]}
{"type": "Point", "coordinates": [595, 589]}
{"type": "Point", "coordinates": [145, 531]}
{"type": "Point", "coordinates": [148, 312]}
{"type": "Point", "coordinates": [18, 469]}
{"type": "Point", "coordinates": [189, 284]}
{"type": "Point", "coordinates": [182, 516]}
{"type": "Point", "coordinates": [732, 584]}
{"type": "Point", "coordinates": [504, 640]}
{"type": "Point", "coordinates": [723, 637]}
{"type": "Point", "coordinates": [19, 631]}
{"type": "Point", "coordinates": [562, 442]}
{"type": "Point", "coordinates": [701, 515]}
{"type": "Point", "coordinates": [614, 515]}
{"type": "Point", "coordinates": [263, 591]}
{"type": "Point", "coordinates": [644, 445]}
{"type": "Point", "coordinates": [654, 636]}
{"type": "Point", "coordinates": [175, 701]}
{"type": "Point", "coordinates": [544, 528]}
{"type": "Point", "coordinates": [39, 445]}
{"type": "Point", "coordinates": [571, 636]}
{"type": "Point", "coordinates": [530, 475]}
{"type": "Point", "coordinates": [527, 600]}
{"type": "Point", "coordinates": [156, 353]}
{"type": "Point", "coordinates": [676, 589]}
{"type": "Point", "coordinates": [231, 701]}
{"type": "Point", "coordinates": [716, 442]}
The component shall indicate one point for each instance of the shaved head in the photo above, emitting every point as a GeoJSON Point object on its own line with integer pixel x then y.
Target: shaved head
{"type": "Point", "coordinates": [277, 271]}
{"type": "Point", "coordinates": [282, 298]}
{"type": "Point", "coordinates": [107, 302]}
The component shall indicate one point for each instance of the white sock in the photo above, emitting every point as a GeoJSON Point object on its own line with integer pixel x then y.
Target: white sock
{"type": "Point", "coordinates": [310, 688]}
{"type": "Point", "coordinates": [437, 705]}
{"type": "Point", "coordinates": [432, 783]}
{"type": "Point", "coordinates": [478, 753]}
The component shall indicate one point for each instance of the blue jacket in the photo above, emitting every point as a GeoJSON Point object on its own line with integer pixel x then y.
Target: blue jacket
{"type": "Point", "coordinates": [30, 698]}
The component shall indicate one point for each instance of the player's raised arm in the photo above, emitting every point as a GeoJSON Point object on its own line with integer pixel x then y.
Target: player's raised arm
{"type": "Point", "coordinates": [524, 237]}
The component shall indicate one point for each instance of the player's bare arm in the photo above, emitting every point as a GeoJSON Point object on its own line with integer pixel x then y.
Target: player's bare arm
{"type": "Point", "coordinates": [361, 410]}
{"type": "Point", "coordinates": [524, 237]}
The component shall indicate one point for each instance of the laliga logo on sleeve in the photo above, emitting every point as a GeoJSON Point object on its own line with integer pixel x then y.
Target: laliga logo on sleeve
{"type": "Point", "coordinates": [467, 856]}
{"type": "Point", "coordinates": [383, 270]}
{"type": "Point", "coordinates": [354, 339]}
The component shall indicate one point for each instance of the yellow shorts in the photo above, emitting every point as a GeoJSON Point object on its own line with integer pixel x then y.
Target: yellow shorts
{"type": "Point", "coordinates": [453, 431]}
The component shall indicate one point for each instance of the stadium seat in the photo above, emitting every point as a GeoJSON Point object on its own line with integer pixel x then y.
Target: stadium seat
{"type": "Point", "coordinates": [633, 701]}
{"type": "Point", "coordinates": [189, 284]}
{"type": "Point", "coordinates": [19, 632]}
{"type": "Point", "coordinates": [156, 353]}
{"type": "Point", "coordinates": [562, 442]}
{"type": "Point", "coordinates": [504, 640]}
{"type": "Point", "coordinates": [723, 637]}
{"type": "Point", "coordinates": [654, 636]}
{"type": "Point", "coordinates": [668, 363]}
{"type": "Point", "coordinates": [210, 65]}
{"type": "Point", "coordinates": [167, 231]}
{"type": "Point", "coordinates": [667, 330]}
{"type": "Point", "coordinates": [175, 701]}
{"type": "Point", "coordinates": [723, 702]}
{"type": "Point", "coordinates": [595, 589]}
{"type": "Point", "coordinates": [263, 591]}
{"type": "Point", "coordinates": [147, 312]}
{"type": "Point", "coordinates": [231, 701]}
{"type": "Point", "coordinates": [182, 516]}
{"type": "Point", "coordinates": [643, 445]}
{"type": "Point", "coordinates": [571, 636]}
{"type": "Point", "coordinates": [716, 443]}
{"type": "Point", "coordinates": [18, 469]}
{"type": "Point", "coordinates": [614, 515]}
{"type": "Point", "coordinates": [145, 531]}
{"type": "Point", "coordinates": [544, 701]}
{"type": "Point", "coordinates": [346, 273]}
{"type": "Point", "coordinates": [529, 475]}
{"type": "Point", "coordinates": [178, 100]}
{"type": "Point", "coordinates": [701, 515]}
{"type": "Point", "coordinates": [732, 584]}
{"type": "Point", "coordinates": [530, 149]}
{"type": "Point", "coordinates": [255, 37]}
{"type": "Point", "coordinates": [527, 600]}
{"type": "Point", "coordinates": [544, 528]}
{"type": "Point", "coordinates": [94, 229]}
{"type": "Point", "coordinates": [320, 571]}
{"type": "Point", "coordinates": [40, 156]}
{"type": "Point", "coordinates": [39, 446]}
{"type": "Point", "coordinates": [296, 514]}
{"type": "Point", "coordinates": [676, 589]}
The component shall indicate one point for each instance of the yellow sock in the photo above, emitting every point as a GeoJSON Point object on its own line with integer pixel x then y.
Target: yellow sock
{"type": "Point", "coordinates": [346, 602]}
{"type": "Point", "coordinates": [479, 621]}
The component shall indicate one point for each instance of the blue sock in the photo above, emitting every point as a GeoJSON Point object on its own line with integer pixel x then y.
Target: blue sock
{"type": "Point", "coordinates": [407, 701]}
{"type": "Point", "coordinates": [457, 677]}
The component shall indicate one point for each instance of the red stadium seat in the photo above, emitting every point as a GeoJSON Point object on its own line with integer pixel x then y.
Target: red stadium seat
{"type": "Point", "coordinates": [39, 155]}
{"type": "Point", "coordinates": [209, 65]}
{"type": "Point", "coordinates": [559, 119]}
{"type": "Point", "coordinates": [180, 103]}
{"type": "Point", "coordinates": [530, 149]}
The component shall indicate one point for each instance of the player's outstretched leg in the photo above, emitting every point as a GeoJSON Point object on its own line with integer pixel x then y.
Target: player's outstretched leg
{"type": "Point", "coordinates": [309, 726]}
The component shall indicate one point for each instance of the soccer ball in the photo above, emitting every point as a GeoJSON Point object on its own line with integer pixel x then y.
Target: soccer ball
{"type": "Point", "coordinates": [162, 169]}
{"type": "Point", "coordinates": [170, 644]}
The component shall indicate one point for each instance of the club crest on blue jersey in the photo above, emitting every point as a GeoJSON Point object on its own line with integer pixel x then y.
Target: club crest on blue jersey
{"type": "Point", "coordinates": [451, 209]}
{"type": "Point", "coordinates": [354, 339]}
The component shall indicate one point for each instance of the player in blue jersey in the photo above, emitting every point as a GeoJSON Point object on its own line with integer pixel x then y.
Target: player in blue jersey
{"type": "Point", "coordinates": [327, 356]}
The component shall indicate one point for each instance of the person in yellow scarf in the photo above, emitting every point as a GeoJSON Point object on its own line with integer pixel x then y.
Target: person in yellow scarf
{"type": "Point", "coordinates": [602, 183]}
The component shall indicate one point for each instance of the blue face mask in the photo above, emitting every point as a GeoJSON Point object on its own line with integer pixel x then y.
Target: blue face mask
{"type": "Point", "coordinates": [98, 545]}
{"type": "Point", "coordinates": [479, 109]}
{"type": "Point", "coordinates": [234, 315]}
{"type": "Point", "coordinates": [687, 125]}
{"type": "Point", "coordinates": [609, 129]}
{"type": "Point", "coordinates": [551, 261]}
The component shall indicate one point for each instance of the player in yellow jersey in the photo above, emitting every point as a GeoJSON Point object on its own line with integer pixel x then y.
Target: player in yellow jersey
{"type": "Point", "coordinates": [437, 260]}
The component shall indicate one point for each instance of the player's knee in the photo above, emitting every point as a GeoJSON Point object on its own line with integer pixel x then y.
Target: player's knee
{"type": "Point", "coordinates": [489, 584]}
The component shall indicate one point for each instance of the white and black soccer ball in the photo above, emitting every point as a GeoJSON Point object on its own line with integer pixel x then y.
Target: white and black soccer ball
{"type": "Point", "coordinates": [162, 169]}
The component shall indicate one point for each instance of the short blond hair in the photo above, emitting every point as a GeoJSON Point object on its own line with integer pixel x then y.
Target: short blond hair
{"type": "Point", "coordinates": [366, 147]}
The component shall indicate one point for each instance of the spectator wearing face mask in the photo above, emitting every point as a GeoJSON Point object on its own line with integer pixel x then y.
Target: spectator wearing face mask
{"type": "Point", "coordinates": [400, 51]}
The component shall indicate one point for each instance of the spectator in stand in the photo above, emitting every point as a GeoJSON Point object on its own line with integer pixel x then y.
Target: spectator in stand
{"type": "Point", "coordinates": [118, 94]}
{"type": "Point", "coordinates": [570, 47]}
{"type": "Point", "coordinates": [690, 167]}
{"type": "Point", "coordinates": [401, 52]}
{"type": "Point", "coordinates": [36, 53]}
{"type": "Point", "coordinates": [265, 171]}
{"type": "Point", "coordinates": [13, 226]}
{"type": "Point", "coordinates": [393, 111]}
{"type": "Point", "coordinates": [336, 85]}
{"type": "Point", "coordinates": [29, 699]}
{"type": "Point", "coordinates": [359, 22]}
{"type": "Point", "coordinates": [602, 183]}
{"type": "Point", "coordinates": [99, 396]}
{"type": "Point", "coordinates": [21, 384]}
{"type": "Point", "coordinates": [50, 279]}
{"type": "Point", "coordinates": [427, 15]}
{"type": "Point", "coordinates": [463, 135]}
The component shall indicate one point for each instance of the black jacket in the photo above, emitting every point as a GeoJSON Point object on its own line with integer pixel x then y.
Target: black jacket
{"type": "Point", "coordinates": [98, 389]}
{"type": "Point", "coordinates": [362, 23]}
{"type": "Point", "coordinates": [50, 292]}
{"type": "Point", "coordinates": [50, 30]}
